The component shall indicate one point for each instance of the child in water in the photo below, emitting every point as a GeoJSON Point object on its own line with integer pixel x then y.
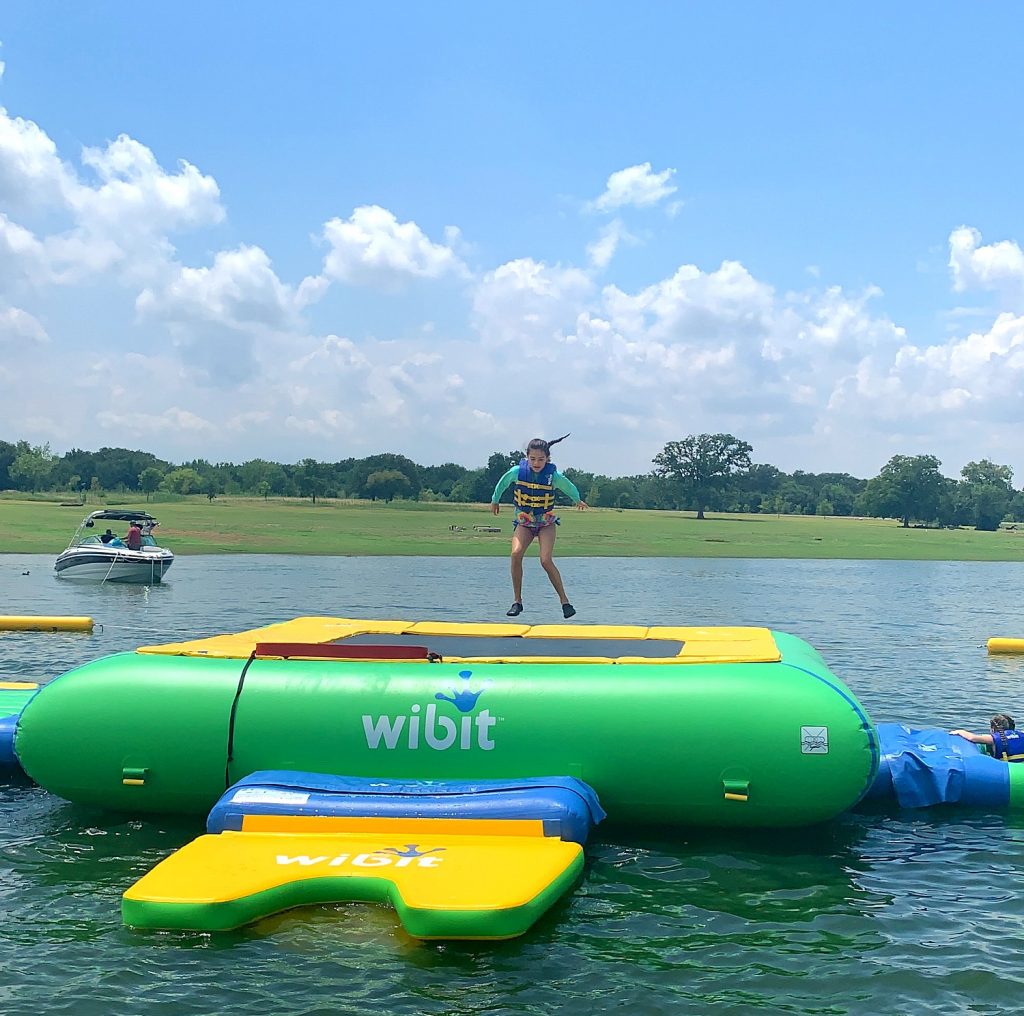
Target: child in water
{"type": "Point", "coordinates": [1003, 741]}
{"type": "Point", "coordinates": [535, 478]}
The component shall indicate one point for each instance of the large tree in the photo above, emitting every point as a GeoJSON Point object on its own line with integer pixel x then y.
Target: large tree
{"type": "Point", "coordinates": [311, 478]}
{"type": "Point", "coordinates": [908, 487]}
{"type": "Point", "coordinates": [119, 468]}
{"type": "Point", "coordinates": [32, 468]}
{"type": "Point", "coordinates": [703, 464]}
{"type": "Point", "coordinates": [440, 479]}
{"type": "Point", "coordinates": [363, 468]}
{"type": "Point", "coordinates": [149, 481]}
{"type": "Point", "coordinates": [182, 481]}
{"type": "Point", "coordinates": [8, 453]}
{"type": "Point", "coordinates": [387, 484]}
{"type": "Point", "coordinates": [986, 492]}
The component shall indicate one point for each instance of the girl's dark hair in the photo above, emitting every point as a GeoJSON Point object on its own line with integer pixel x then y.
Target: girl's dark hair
{"type": "Point", "coordinates": [539, 444]}
{"type": "Point", "coordinates": [1002, 721]}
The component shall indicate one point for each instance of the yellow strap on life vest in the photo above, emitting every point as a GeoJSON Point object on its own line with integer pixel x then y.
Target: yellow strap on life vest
{"type": "Point", "coordinates": [524, 498]}
{"type": "Point", "coordinates": [543, 501]}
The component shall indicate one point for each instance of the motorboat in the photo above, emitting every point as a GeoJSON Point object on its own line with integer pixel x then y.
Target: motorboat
{"type": "Point", "coordinates": [105, 557]}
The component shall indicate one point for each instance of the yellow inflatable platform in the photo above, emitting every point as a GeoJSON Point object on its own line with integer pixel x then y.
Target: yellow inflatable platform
{"type": "Point", "coordinates": [446, 878]}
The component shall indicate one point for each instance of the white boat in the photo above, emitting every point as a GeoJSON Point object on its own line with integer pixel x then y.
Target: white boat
{"type": "Point", "coordinates": [106, 557]}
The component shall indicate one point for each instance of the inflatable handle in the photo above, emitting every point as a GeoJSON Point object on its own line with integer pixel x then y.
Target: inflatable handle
{"type": "Point", "coordinates": [131, 777]}
{"type": "Point", "coordinates": [736, 790]}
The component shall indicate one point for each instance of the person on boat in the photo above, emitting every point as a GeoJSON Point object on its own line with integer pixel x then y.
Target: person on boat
{"type": "Point", "coordinates": [536, 478]}
{"type": "Point", "coordinates": [107, 537]}
{"type": "Point", "coordinates": [134, 536]}
{"type": "Point", "coordinates": [1004, 740]}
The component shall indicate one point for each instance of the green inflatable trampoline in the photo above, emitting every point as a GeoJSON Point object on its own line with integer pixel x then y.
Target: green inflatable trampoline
{"type": "Point", "coordinates": [734, 727]}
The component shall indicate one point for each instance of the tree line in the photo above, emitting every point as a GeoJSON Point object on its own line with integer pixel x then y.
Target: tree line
{"type": "Point", "coordinates": [700, 472]}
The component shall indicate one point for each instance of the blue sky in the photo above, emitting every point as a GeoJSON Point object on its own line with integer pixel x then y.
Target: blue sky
{"type": "Point", "coordinates": [298, 230]}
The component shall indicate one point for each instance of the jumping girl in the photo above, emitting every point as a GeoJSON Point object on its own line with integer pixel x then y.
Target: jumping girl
{"type": "Point", "coordinates": [533, 496]}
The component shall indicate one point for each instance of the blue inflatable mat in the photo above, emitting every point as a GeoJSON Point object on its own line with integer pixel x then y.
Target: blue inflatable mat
{"type": "Point", "coordinates": [920, 768]}
{"type": "Point", "coordinates": [568, 807]}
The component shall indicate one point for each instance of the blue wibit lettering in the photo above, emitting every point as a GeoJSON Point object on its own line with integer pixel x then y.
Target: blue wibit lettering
{"type": "Point", "coordinates": [462, 698]}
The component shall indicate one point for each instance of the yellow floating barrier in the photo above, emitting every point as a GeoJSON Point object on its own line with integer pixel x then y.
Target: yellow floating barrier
{"type": "Point", "coordinates": [29, 623]}
{"type": "Point", "coordinates": [1001, 645]}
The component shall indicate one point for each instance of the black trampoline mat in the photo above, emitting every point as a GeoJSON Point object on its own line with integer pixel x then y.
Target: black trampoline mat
{"type": "Point", "coordinates": [491, 646]}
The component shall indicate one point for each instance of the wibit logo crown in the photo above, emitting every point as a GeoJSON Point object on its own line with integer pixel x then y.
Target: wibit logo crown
{"type": "Point", "coordinates": [462, 698]}
{"type": "Point", "coordinates": [411, 850]}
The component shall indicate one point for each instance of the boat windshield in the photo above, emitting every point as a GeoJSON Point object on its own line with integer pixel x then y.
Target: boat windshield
{"type": "Point", "coordinates": [96, 529]}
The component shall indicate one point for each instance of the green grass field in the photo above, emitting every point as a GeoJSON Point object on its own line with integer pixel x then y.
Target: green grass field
{"type": "Point", "coordinates": [238, 525]}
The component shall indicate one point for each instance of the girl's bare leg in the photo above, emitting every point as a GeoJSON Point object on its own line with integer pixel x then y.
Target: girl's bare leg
{"type": "Point", "coordinates": [546, 539]}
{"type": "Point", "coordinates": [521, 539]}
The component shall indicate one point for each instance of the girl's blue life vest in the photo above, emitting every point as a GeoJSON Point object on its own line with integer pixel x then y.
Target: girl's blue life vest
{"type": "Point", "coordinates": [534, 492]}
{"type": "Point", "coordinates": [1008, 745]}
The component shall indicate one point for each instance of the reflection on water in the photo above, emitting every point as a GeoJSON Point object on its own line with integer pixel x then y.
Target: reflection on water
{"type": "Point", "coordinates": [876, 912]}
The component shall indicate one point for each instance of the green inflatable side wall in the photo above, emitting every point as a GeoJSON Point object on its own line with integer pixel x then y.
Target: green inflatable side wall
{"type": "Point", "coordinates": [752, 744]}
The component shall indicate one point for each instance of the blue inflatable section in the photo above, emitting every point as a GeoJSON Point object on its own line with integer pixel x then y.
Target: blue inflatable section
{"type": "Point", "coordinates": [920, 768]}
{"type": "Point", "coordinates": [14, 695]}
{"type": "Point", "coordinates": [568, 807]}
{"type": "Point", "coordinates": [8, 724]}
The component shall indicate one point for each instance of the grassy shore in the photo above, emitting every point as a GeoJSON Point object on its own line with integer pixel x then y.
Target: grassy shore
{"type": "Point", "coordinates": [241, 525]}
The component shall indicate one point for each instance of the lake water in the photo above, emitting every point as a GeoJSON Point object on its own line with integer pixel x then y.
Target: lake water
{"type": "Point", "coordinates": [877, 912]}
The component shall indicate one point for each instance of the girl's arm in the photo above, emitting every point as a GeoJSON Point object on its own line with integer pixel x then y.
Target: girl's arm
{"type": "Point", "coordinates": [504, 483]}
{"type": "Point", "coordinates": [566, 486]}
{"type": "Point", "coordinates": [974, 738]}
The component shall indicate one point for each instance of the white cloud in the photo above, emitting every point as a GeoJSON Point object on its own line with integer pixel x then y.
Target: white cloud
{"type": "Point", "coordinates": [32, 176]}
{"type": "Point", "coordinates": [137, 194]}
{"type": "Point", "coordinates": [373, 248]}
{"type": "Point", "coordinates": [997, 266]}
{"type": "Point", "coordinates": [240, 289]}
{"type": "Point", "coordinates": [121, 222]}
{"type": "Point", "coordinates": [23, 258]}
{"type": "Point", "coordinates": [636, 185]}
{"type": "Point", "coordinates": [958, 399]}
{"type": "Point", "coordinates": [834, 324]}
{"type": "Point", "coordinates": [375, 393]}
{"type": "Point", "coordinates": [529, 303]}
{"type": "Point", "coordinates": [227, 320]}
{"type": "Point", "coordinates": [18, 326]}
{"type": "Point", "coordinates": [702, 306]}
{"type": "Point", "coordinates": [601, 251]}
{"type": "Point", "coordinates": [331, 355]}
{"type": "Point", "coordinates": [170, 421]}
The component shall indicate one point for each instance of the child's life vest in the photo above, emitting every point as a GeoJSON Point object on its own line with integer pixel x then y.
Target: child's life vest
{"type": "Point", "coordinates": [1008, 745]}
{"type": "Point", "coordinates": [534, 492]}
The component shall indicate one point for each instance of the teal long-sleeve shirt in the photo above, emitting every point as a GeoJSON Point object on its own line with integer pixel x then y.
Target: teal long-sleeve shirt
{"type": "Point", "coordinates": [560, 480]}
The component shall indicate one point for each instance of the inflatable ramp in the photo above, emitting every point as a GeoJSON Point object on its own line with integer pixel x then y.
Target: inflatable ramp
{"type": "Point", "coordinates": [456, 860]}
